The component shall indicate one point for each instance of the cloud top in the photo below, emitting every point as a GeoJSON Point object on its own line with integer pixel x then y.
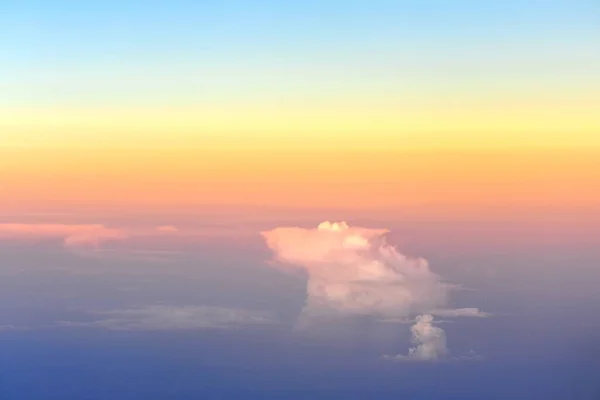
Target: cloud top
{"type": "Point", "coordinates": [353, 271]}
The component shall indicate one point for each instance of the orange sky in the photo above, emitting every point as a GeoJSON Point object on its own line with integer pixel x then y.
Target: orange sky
{"type": "Point", "coordinates": [430, 181]}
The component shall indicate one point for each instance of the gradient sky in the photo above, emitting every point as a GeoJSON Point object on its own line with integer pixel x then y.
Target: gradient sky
{"type": "Point", "coordinates": [235, 73]}
{"type": "Point", "coordinates": [162, 161]}
{"type": "Point", "coordinates": [195, 103]}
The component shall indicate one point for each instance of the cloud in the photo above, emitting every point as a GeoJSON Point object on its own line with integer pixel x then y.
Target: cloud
{"type": "Point", "coordinates": [160, 317]}
{"type": "Point", "coordinates": [72, 236]}
{"type": "Point", "coordinates": [167, 229]}
{"type": "Point", "coordinates": [96, 239]}
{"type": "Point", "coordinates": [429, 341]}
{"type": "Point", "coordinates": [461, 312]}
{"type": "Point", "coordinates": [353, 271]}
{"type": "Point", "coordinates": [430, 345]}
{"type": "Point", "coordinates": [444, 312]}
{"type": "Point", "coordinates": [4, 328]}
{"type": "Point", "coordinates": [470, 356]}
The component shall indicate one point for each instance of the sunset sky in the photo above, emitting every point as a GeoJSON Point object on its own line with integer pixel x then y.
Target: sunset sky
{"type": "Point", "coordinates": [161, 160]}
{"type": "Point", "coordinates": [305, 105]}
{"type": "Point", "coordinates": [236, 98]}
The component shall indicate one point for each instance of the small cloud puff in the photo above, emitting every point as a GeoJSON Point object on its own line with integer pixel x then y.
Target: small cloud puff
{"type": "Point", "coordinates": [429, 341]}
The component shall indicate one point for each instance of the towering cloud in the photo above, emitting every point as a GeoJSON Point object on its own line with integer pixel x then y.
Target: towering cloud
{"type": "Point", "coordinates": [354, 271]}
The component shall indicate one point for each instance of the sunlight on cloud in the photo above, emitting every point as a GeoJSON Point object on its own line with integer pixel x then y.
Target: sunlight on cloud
{"type": "Point", "coordinates": [353, 271]}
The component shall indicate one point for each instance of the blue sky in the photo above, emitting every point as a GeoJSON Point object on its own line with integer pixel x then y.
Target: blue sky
{"type": "Point", "coordinates": [235, 50]}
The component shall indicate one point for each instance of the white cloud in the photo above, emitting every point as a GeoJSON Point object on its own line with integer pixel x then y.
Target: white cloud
{"type": "Point", "coordinates": [460, 312]}
{"type": "Point", "coordinates": [429, 341]}
{"type": "Point", "coordinates": [160, 317]}
{"type": "Point", "coordinates": [354, 271]}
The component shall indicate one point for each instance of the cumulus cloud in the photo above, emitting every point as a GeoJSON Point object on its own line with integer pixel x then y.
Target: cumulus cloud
{"type": "Point", "coordinates": [429, 342]}
{"type": "Point", "coordinates": [160, 317]}
{"type": "Point", "coordinates": [354, 271]}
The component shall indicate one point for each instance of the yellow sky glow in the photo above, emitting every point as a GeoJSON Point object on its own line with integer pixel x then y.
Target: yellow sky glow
{"type": "Point", "coordinates": [473, 125]}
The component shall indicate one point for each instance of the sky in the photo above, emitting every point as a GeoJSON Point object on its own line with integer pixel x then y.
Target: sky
{"type": "Point", "coordinates": [317, 199]}
{"type": "Point", "coordinates": [309, 74]}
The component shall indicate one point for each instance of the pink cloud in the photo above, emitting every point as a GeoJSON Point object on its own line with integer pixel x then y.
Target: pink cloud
{"type": "Point", "coordinates": [167, 229]}
{"type": "Point", "coordinates": [123, 239]}
{"type": "Point", "coordinates": [71, 235]}
{"type": "Point", "coordinates": [353, 271]}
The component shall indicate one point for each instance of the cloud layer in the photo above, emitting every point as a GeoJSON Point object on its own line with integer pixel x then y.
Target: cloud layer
{"type": "Point", "coordinates": [96, 239]}
{"type": "Point", "coordinates": [72, 236]}
{"type": "Point", "coordinates": [159, 317]}
{"type": "Point", "coordinates": [460, 312]}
